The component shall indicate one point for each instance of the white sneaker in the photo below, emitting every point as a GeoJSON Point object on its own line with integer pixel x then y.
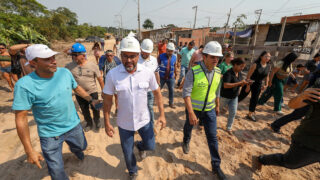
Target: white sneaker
{"type": "Point", "coordinates": [280, 113]}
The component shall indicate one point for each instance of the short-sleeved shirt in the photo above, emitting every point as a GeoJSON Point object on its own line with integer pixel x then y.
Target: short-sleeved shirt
{"type": "Point", "coordinates": [224, 67]}
{"type": "Point", "coordinates": [85, 75]}
{"type": "Point", "coordinates": [162, 48]}
{"type": "Point", "coordinates": [151, 63]}
{"type": "Point", "coordinates": [104, 63]}
{"type": "Point", "coordinates": [132, 90]}
{"type": "Point", "coordinates": [50, 100]}
{"type": "Point", "coordinates": [197, 55]}
{"type": "Point", "coordinates": [186, 55]}
{"type": "Point", "coordinates": [230, 77]}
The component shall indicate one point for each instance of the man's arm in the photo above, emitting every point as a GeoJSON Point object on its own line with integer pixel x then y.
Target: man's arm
{"type": "Point", "coordinates": [107, 104]}
{"type": "Point", "coordinates": [157, 77]}
{"type": "Point", "coordinates": [82, 93]}
{"type": "Point", "coordinates": [311, 94]}
{"type": "Point", "coordinates": [100, 80]}
{"type": "Point", "coordinates": [158, 97]}
{"type": "Point", "coordinates": [13, 49]}
{"type": "Point", "coordinates": [175, 70]}
{"type": "Point", "coordinates": [24, 135]}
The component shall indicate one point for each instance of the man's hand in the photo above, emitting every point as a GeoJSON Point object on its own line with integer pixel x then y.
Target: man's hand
{"type": "Point", "coordinates": [193, 118]}
{"type": "Point", "coordinates": [311, 94]}
{"type": "Point", "coordinates": [34, 158]}
{"type": "Point", "coordinates": [162, 121]}
{"type": "Point", "coordinates": [95, 102]}
{"type": "Point", "coordinates": [264, 87]}
{"type": "Point", "coordinates": [109, 130]}
{"type": "Point", "coordinates": [217, 109]}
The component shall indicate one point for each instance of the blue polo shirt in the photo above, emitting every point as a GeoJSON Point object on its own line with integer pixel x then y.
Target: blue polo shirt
{"type": "Point", "coordinates": [50, 100]}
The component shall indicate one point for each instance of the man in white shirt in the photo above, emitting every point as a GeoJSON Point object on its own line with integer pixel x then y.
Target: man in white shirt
{"type": "Point", "coordinates": [131, 81]}
{"type": "Point", "coordinates": [151, 63]}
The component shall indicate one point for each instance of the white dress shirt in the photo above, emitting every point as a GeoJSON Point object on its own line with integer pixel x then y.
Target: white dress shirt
{"type": "Point", "coordinates": [132, 90]}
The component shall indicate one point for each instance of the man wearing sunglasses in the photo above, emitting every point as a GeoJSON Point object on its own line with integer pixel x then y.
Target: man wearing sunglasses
{"type": "Point", "coordinates": [47, 91]}
{"type": "Point", "coordinates": [132, 81]}
{"type": "Point", "coordinates": [86, 73]}
{"type": "Point", "coordinates": [107, 62]}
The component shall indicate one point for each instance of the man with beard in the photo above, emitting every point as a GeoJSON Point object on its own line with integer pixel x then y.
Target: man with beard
{"type": "Point", "coordinates": [131, 81]}
{"type": "Point", "coordinates": [48, 92]}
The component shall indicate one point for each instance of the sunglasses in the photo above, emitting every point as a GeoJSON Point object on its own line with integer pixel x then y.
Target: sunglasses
{"type": "Point", "coordinates": [75, 55]}
{"type": "Point", "coordinates": [2, 48]}
{"type": "Point", "coordinates": [109, 55]}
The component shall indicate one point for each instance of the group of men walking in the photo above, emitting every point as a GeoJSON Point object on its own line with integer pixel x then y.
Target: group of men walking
{"type": "Point", "coordinates": [135, 82]}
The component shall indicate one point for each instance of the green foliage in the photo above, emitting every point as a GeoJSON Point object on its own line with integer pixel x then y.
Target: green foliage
{"type": "Point", "coordinates": [30, 20]}
{"type": "Point", "coordinates": [148, 24]}
{"type": "Point", "coordinates": [239, 22]}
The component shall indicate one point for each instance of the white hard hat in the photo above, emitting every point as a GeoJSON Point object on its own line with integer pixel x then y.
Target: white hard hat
{"type": "Point", "coordinates": [170, 46]}
{"type": "Point", "coordinates": [129, 44]}
{"type": "Point", "coordinates": [147, 46]}
{"type": "Point", "coordinates": [213, 48]}
{"type": "Point", "coordinates": [39, 51]}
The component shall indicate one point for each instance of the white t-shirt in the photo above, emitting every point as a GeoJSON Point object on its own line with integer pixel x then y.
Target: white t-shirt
{"type": "Point", "coordinates": [151, 63]}
{"type": "Point", "coordinates": [133, 112]}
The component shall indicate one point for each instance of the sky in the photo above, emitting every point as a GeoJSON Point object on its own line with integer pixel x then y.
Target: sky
{"type": "Point", "coordinates": [180, 12]}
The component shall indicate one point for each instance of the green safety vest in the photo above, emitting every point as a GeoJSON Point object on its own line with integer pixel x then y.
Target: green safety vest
{"type": "Point", "coordinates": [201, 87]}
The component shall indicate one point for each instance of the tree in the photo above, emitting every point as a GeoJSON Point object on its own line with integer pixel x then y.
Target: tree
{"type": "Point", "coordinates": [148, 24]}
{"type": "Point", "coordinates": [239, 21]}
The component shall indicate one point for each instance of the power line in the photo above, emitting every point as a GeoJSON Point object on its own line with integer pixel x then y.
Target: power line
{"type": "Point", "coordinates": [125, 4]}
{"type": "Point", "coordinates": [162, 7]}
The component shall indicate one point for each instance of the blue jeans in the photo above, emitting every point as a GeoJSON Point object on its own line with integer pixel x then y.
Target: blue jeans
{"type": "Point", "coordinates": [170, 84]}
{"type": "Point", "coordinates": [127, 144]}
{"type": "Point", "coordinates": [232, 108]}
{"type": "Point", "coordinates": [150, 106]}
{"type": "Point", "coordinates": [183, 72]}
{"type": "Point", "coordinates": [209, 120]}
{"type": "Point", "coordinates": [52, 150]}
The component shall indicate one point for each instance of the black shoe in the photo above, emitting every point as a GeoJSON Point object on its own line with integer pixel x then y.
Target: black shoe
{"type": "Point", "coordinates": [220, 174]}
{"type": "Point", "coordinates": [88, 127]}
{"type": "Point", "coordinates": [251, 117]}
{"type": "Point", "coordinates": [185, 148]}
{"type": "Point", "coordinates": [142, 154]}
{"type": "Point", "coordinates": [172, 106]}
{"type": "Point", "coordinates": [274, 129]}
{"type": "Point", "coordinates": [133, 176]}
{"type": "Point", "coordinates": [98, 125]}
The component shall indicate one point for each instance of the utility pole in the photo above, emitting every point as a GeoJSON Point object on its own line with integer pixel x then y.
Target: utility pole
{"type": "Point", "coordinates": [234, 35]}
{"type": "Point", "coordinates": [195, 16]}
{"type": "Point", "coordinates": [259, 12]}
{"type": "Point", "coordinates": [208, 21]}
{"type": "Point", "coordinates": [120, 25]}
{"type": "Point", "coordinates": [139, 30]}
{"type": "Point", "coordinates": [281, 36]}
{"type": "Point", "coordinates": [225, 28]}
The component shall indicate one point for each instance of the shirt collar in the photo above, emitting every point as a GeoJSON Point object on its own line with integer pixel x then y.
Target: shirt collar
{"type": "Point", "coordinates": [205, 68]}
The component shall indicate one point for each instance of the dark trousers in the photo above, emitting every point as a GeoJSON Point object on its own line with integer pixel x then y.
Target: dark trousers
{"type": "Point", "coordinates": [84, 106]}
{"type": "Point", "coordinates": [255, 90]}
{"type": "Point", "coordinates": [209, 121]}
{"type": "Point", "coordinates": [295, 115]}
{"type": "Point", "coordinates": [297, 156]}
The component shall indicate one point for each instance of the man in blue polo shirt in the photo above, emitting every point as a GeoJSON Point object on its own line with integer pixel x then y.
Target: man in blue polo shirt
{"type": "Point", "coordinates": [48, 93]}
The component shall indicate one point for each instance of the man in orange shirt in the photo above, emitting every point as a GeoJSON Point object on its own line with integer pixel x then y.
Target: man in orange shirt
{"type": "Point", "coordinates": [162, 47]}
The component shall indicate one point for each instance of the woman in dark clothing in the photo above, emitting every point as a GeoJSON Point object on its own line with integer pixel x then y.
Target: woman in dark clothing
{"type": "Point", "coordinates": [280, 72]}
{"type": "Point", "coordinates": [258, 72]}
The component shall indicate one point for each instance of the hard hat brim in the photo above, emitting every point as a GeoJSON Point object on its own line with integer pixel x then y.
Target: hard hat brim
{"type": "Point", "coordinates": [146, 51]}
{"type": "Point", "coordinates": [215, 54]}
{"type": "Point", "coordinates": [130, 50]}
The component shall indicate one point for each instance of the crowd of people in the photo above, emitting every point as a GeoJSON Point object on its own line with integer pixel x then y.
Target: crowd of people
{"type": "Point", "coordinates": [211, 79]}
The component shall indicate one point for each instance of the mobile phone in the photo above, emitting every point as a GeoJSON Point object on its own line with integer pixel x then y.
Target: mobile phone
{"type": "Point", "coordinates": [98, 106]}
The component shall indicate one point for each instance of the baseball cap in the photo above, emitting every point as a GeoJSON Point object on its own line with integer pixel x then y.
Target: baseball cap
{"type": "Point", "coordinates": [39, 51]}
